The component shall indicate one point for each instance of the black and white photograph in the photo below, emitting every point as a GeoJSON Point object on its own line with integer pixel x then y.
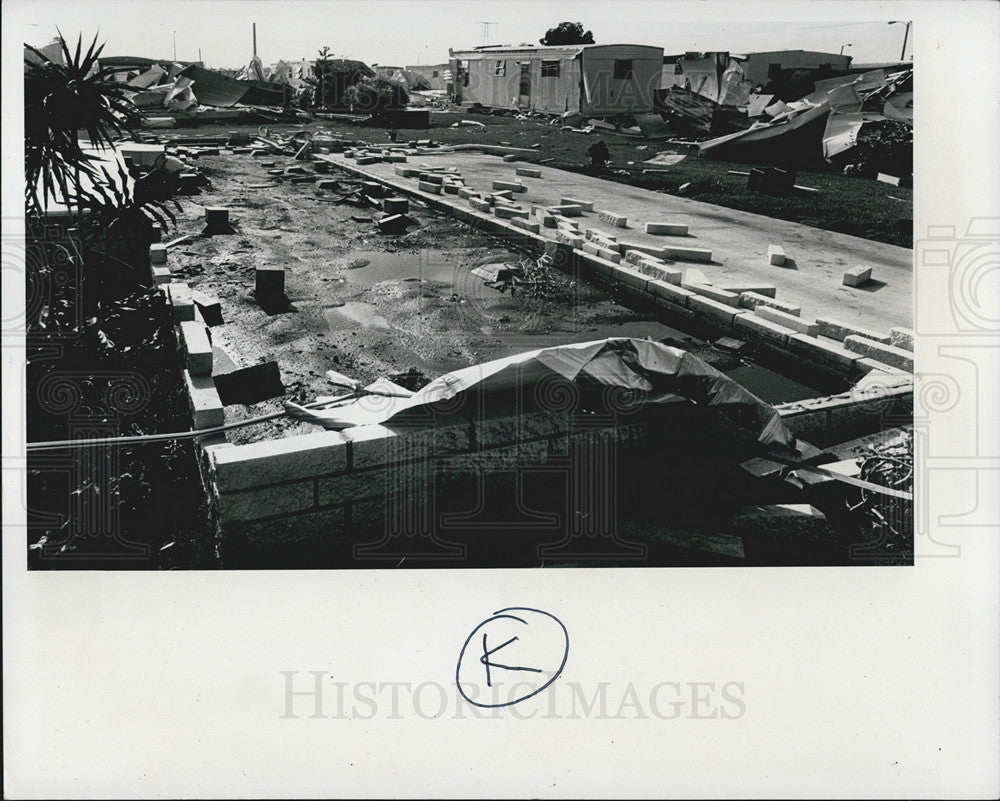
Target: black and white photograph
{"type": "Point", "coordinates": [395, 391]}
{"type": "Point", "coordinates": [536, 298]}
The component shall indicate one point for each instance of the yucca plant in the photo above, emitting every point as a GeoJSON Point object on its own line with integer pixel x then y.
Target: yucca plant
{"type": "Point", "coordinates": [60, 102]}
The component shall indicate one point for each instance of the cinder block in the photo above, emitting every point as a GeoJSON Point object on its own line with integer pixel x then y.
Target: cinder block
{"type": "Point", "coordinates": [901, 338]}
{"type": "Point", "coordinates": [509, 212]}
{"type": "Point", "coordinates": [405, 172]}
{"type": "Point", "coordinates": [158, 253]}
{"type": "Point", "coordinates": [610, 217]}
{"type": "Point", "coordinates": [650, 250]}
{"type": "Point", "coordinates": [858, 276]}
{"type": "Point", "coordinates": [775, 255]}
{"type": "Point", "coordinates": [585, 205]}
{"type": "Point", "coordinates": [631, 277]}
{"type": "Point", "coordinates": [278, 460]}
{"type": "Point", "coordinates": [269, 282]}
{"type": "Point", "coordinates": [434, 189]}
{"type": "Point", "coordinates": [871, 365]}
{"type": "Point", "coordinates": [713, 309]}
{"type": "Point", "coordinates": [751, 300]}
{"type": "Point", "coordinates": [161, 275]}
{"type": "Point", "coordinates": [395, 205]}
{"type": "Point", "coordinates": [529, 172]}
{"type": "Point", "coordinates": [666, 229]}
{"type": "Point", "coordinates": [597, 235]}
{"type": "Point", "coordinates": [708, 291]}
{"type": "Point", "coordinates": [671, 292]}
{"type": "Point", "coordinates": [686, 254]}
{"type": "Point", "coordinates": [767, 290]}
{"type": "Point", "coordinates": [372, 188]}
{"type": "Point", "coordinates": [761, 327]}
{"type": "Point", "coordinates": [567, 238]}
{"type": "Point", "coordinates": [661, 272]}
{"type": "Point", "coordinates": [206, 408]}
{"type": "Point", "coordinates": [611, 254]}
{"type": "Point", "coordinates": [813, 348]}
{"type": "Point", "coordinates": [451, 187]}
{"type": "Point", "coordinates": [362, 160]}
{"type": "Point", "coordinates": [479, 204]}
{"type": "Point", "coordinates": [466, 192]}
{"type": "Point", "coordinates": [527, 225]}
{"type": "Point", "coordinates": [431, 177]}
{"type": "Point", "coordinates": [393, 224]}
{"type": "Point", "coordinates": [598, 265]}
{"type": "Point", "coordinates": [510, 186]}
{"type": "Point", "coordinates": [266, 501]}
{"type": "Point", "coordinates": [179, 294]}
{"type": "Point", "coordinates": [887, 354]}
{"type": "Point", "coordinates": [197, 347]}
{"type": "Point", "coordinates": [394, 157]}
{"type": "Point", "coordinates": [503, 194]}
{"type": "Point", "coordinates": [547, 220]}
{"type": "Point", "coordinates": [835, 329]}
{"type": "Point", "coordinates": [791, 321]}
{"type": "Point", "coordinates": [567, 210]}
{"type": "Point", "coordinates": [511, 157]}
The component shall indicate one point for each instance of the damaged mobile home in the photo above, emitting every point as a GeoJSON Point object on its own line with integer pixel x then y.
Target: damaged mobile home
{"type": "Point", "coordinates": [597, 80]}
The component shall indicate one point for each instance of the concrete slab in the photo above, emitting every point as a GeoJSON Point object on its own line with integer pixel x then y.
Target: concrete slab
{"type": "Point", "coordinates": [736, 240]}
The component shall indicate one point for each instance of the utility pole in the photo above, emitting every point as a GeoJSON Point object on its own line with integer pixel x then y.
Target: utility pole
{"type": "Point", "coordinates": [255, 40]}
{"type": "Point", "coordinates": [906, 35]}
{"type": "Point", "coordinates": [175, 45]}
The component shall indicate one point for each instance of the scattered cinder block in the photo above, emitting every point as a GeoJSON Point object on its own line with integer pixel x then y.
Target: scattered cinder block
{"type": "Point", "coordinates": [208, 306]}
{"type": "Point", "coordinates": [267, 165]}
{"type": "Point", "coordinates": [157, 253]}
{"type": "Point", "coordinates": [362, 160]}
{"type": "Point", "coordinates": [406, 172]}
{"type": "Point", "coordinates": [434, 189]}
{"type": "Point", "coordinates": [527, 225]}
{"type": "Point", "coordinates": [901, 338]}
{"type": "Point", "coordinates": [529, 172]}
{"type": "Point", "coordinates": [328, 183]}
{"type": "Point", "coordinates": [503, 194]}
{"type": "Point", "coordinates": [660, 272]}
{"type": "Point", "coordinates": [394, 157]}
{"type": "Point", "coordinates": [547, 220]}
{"type": "Point", "coordinates": [451, 188]}
{"type": "Point", "coordinates": [666, 229]}
{"type": "Point", "coordinates": [510, 186]}
{"type": "Point", "coordinates": [393, 224]}
{"type": "Point", "coordinates": [889, 179]}
{"type": "Point", "coordinates": [247, 385]}
{"type": "Point", "coordinates": [610, 254]}
{"type": "Point", "coordinates": [566, 238]}
{"type": "Point", "coordinates": [304, 179]}
{"type": "Point", "coordinates": [775, 255]}
{"type": "Point", "coordinates": [596, 234]}
{"type": "Point", "coordinates": [767, 290]}
{"type": "Point", "coordinates": [197, 347]}
{"type": "Point", "coordinates": [479, 204]}
{"type": "Point", "coordinates": [751, 300]}
{"type": "Point", "coordinates": [686, 254]}
{"type": "Point", "coordinates": [562, 222]}
{"type": "Point", "coordinates": [270, 282]}
{"type": "Point", "coordinates": [858, 276]}
{"type": "Point", "coordinates": [431, 177]}
{"type": "Point", "coordinates": [466, 192]}
{"type": "Point", "coordinates": [835, 329]}
{"type": "Point", "coordinates": [161, 275]}
{"type": "Point", "coordinates": [585, 205]}
{"type": "Point", "coordinates": [372, 188]}
{"type": "Point", "coordinates": [395, 205]}
{"type": "Point", "coordinates": [509, 212]}
{"type": "Point", "coordinates": [155, 232]}
{"type": "Point", "coordinates": [179, 295]}
{"type": "Point", "coordinates": [650, 250]}
{"type": "Point", "coordinates": [888, 354]}
{"type": "Point", "coordinates": [217, 221]}
{"type": "Point", "coordinates": [206, 406]}
{"type": "Point", "coordinates": [788, 320]}
{"type": "Point", "coordinates": [511, 157]}
{"type": "Point", "coordinates": [708, 291]}
{"type": "Point", "coordinates": [610, 217]}
{"type": "Point", "coordinates": [567, 210]}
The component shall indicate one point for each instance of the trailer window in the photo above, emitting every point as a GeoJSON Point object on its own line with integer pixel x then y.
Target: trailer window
{"type": "Point", "coordinates": [550, 69]}
{"type": "Point", "coordinates": [500, 68]}
{"type": "Point", "coordinates": [623, 68]}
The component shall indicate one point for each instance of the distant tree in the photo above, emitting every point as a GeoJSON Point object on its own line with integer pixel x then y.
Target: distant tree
{"type": "Point", "coordinates": [567, 33]}
{"type": "Point", "coordinates": [376, 95]}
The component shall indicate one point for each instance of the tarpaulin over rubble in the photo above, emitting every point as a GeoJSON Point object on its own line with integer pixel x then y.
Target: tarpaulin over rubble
{"type": "Point", "coordinates": [657, 373]}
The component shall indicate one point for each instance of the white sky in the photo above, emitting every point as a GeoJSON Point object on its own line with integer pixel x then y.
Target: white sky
{"type": "Point", "coordinates": [421, 31]}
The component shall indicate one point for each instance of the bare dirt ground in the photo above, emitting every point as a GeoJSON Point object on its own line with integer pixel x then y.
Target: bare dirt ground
{"type": "Point", "coordinates": [363, 303]}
